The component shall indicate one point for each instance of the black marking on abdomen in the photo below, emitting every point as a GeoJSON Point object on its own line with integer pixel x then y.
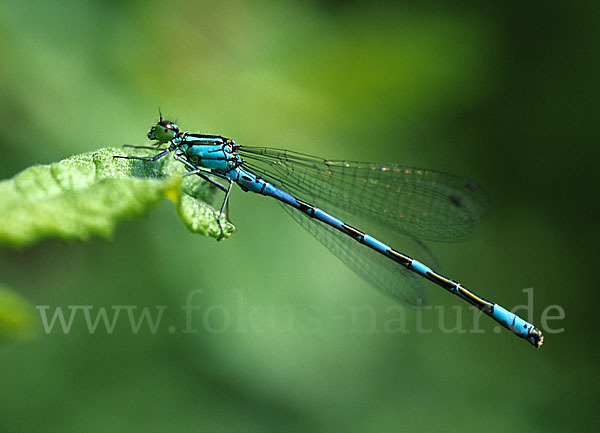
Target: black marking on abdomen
{"type": "Point", "coordinates": [399, 257]}
{"type": "Point", "coordinates": [262, 189]}
{"type": "Point", "coordinates": [446, 283]}
{"type": "Point", "coordinates": [355, 233]}
{"type": "Point", "coordinates": [307, 208]}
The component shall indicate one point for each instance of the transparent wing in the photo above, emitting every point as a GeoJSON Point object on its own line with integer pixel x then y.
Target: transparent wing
{"type": "Point", "coordinates": [386, 275]}
{"type": "Point", "coordinates": [417, 202]}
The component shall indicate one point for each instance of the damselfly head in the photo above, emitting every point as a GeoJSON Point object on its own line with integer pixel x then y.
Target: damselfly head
{"type": "Point", "coordinates": [164, 131]}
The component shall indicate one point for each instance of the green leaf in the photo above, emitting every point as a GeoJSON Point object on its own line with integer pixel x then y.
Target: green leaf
{"type": "Point", "coordinates": [17, 315]}
{"type": "Point", "coordinates": [89, 194]}
{"type": "Point", "coordinates": [199, 218]}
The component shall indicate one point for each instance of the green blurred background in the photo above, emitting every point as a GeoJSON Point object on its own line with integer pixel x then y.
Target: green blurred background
{"type": "Point", "coordinates": [504, 94]}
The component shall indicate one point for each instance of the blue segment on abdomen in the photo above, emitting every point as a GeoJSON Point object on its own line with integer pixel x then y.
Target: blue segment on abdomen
{"type": "Point", "coordinates": [376, 244]}
{"type": "Point", "coordinates": [246, 180]}
{"type": "Point", "coordinates": [419, 267]}
{"type": "Point", "coordinates": [511, 321]}
{"type": "Point", "coordinates": [326, 218]}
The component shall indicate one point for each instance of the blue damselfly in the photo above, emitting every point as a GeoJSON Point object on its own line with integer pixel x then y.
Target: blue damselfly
{"type": "Point", "coordinates": [401, 204]}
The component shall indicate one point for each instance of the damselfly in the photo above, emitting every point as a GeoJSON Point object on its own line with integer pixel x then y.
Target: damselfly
{"type": "Point", "coordinates": [398, 203]}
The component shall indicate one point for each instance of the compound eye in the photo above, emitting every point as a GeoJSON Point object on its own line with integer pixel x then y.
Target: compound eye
{"type": "Point", "coordinates": [165, 131]}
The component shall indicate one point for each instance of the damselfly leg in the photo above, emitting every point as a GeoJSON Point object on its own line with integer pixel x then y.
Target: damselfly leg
{"type": "Point", "coordinates": [131, 146]}
{"type": "Point", "coordinates": [204, 174]}
{"type": "Point", "coordinates": [145, 158]}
